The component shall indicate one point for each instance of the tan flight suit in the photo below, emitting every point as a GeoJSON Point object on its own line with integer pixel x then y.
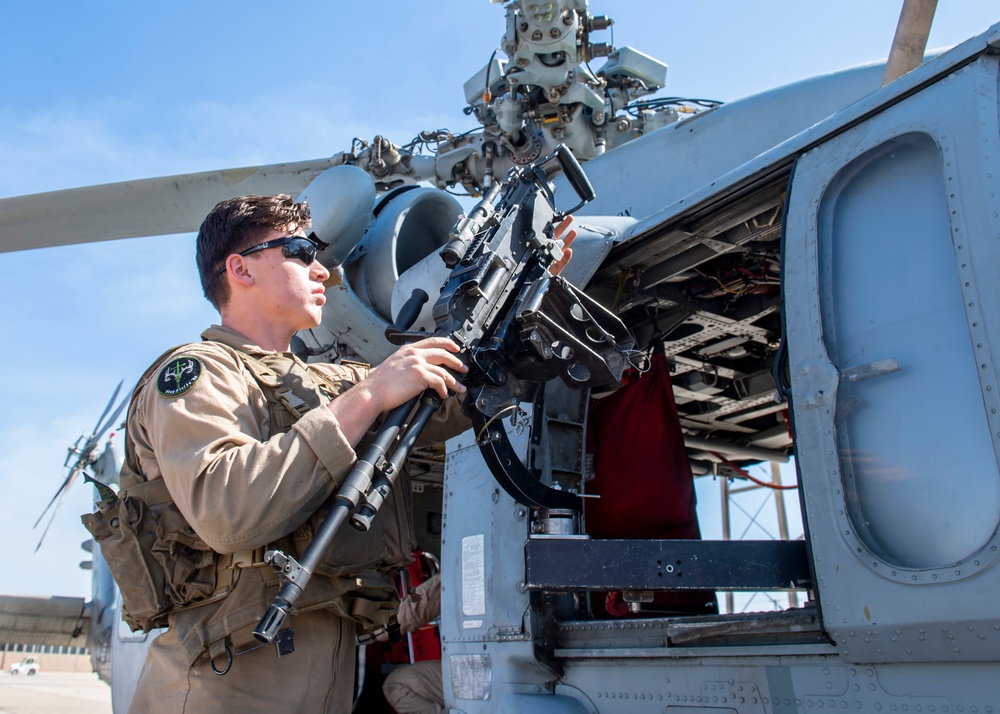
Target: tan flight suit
{"type": "Point", "coordinates": [417, 688]}
{"type": "Point", "coordinates": [243, 488]}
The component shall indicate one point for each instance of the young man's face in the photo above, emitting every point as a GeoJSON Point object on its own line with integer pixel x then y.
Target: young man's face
{"type": "Point", "coordinates": [288, 291]}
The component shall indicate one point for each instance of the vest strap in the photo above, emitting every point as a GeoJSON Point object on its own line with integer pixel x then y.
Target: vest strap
{"type": "Point", "coordinates": [153, 493]}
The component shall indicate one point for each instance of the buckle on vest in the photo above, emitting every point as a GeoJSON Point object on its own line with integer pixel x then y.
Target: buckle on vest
{"type": "Point", "coordinates": [390, 632]}
{"type": "Point", "coordinates": [292, 402]}
{"type": "Point", "coordinates": [248, 559]}
{"type": "Point", "coordinates": [241, 642]}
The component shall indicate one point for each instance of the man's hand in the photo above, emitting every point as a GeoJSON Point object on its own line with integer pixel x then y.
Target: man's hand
{"type": "Point", "coordinates": [427, 364]}
{"type": "Point", "coordinates": [406, 373]}
{"type": "Point", "coordinates": [567, 239]}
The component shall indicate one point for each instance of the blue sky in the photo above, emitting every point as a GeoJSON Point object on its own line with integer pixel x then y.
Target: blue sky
{"type": "Point", "coordinates": [109, 91]}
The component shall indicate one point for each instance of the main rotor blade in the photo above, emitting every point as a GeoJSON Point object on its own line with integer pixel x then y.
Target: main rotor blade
{"type": "Point", "coordinates": [83, 459]}
{"type": "Point", "coordinates": [111, 401]}
{"type": "Point", "coordinates": [77, 468]}
{"type": "Point", "coordinates": [62, 495]}
{"type": "Point", "coordinates": [111, 420]}
{"type": "Point", "coordinates": [130, 209]}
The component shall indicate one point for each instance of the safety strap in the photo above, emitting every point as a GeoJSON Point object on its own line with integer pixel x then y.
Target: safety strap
{"type": "Point", "coordinates": [273, 384]}
{"type": "Point", "coordinates": [292, 402]}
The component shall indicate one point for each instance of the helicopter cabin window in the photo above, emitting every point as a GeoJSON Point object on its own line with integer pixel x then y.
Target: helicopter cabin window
{"type": "Point", "coordinates": [917, 460]}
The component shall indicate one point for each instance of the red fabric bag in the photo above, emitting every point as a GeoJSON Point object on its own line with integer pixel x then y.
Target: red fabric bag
{"type": "Point", "coordinates": [643, 478]}
{"type": "Point", "coordinates": [641, 469]}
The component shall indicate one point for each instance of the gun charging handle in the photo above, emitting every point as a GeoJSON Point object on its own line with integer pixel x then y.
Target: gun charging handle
{"type": "Point", "coordinates": [396, 333]}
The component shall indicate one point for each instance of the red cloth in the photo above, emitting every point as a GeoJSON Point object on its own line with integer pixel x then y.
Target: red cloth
{"type": "Point", "coordinates": [643, 477]}
{"type": "Point", "coordinates": [641, 469]}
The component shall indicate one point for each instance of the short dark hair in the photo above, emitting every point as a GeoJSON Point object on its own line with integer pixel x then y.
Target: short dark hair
{"type": "Point", "coordinates": [237, 224]}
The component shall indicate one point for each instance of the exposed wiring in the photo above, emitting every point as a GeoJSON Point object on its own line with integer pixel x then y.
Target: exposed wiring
{"type": "Point", "coordinates": [518, 412]}
{"type": "Point", "coordinates": [486, 90]}
{"type": "Point", "coordinates": [432, 140]}
{"type": "Point", "coordinates": [744, 474]}
{"type": "Point", "coordinates": [634, 108]}
{"type": "Point", "coordinates": [722, 285]}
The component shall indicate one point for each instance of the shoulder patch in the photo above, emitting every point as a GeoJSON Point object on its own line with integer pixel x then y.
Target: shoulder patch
{"type": "Point", "coordinates": [178, 375]}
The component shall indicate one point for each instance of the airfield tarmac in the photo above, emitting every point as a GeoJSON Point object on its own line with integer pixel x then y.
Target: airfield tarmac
{"type": "Point", "coordinates": [54, 693]}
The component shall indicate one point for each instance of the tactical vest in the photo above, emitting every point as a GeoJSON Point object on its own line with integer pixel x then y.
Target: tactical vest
{"type": "Point", "coordinates": [164, 569]}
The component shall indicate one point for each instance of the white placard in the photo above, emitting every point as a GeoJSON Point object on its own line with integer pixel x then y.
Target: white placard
{"type": "Point", "coordinates": [474, 575]}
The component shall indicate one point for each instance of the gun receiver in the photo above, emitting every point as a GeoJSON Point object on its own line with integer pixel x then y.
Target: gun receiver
{"type": "Point", "coordinates": [517, 326]}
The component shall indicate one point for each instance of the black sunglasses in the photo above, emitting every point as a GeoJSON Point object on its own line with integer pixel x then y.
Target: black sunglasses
{"type": "Point", "coordinates": [297, 248]}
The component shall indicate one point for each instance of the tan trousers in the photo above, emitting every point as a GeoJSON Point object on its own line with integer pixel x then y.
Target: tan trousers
{"type": "Point", "coordinates": [416, 688]}
{"type": "Point", "coordinates": [317, 677]}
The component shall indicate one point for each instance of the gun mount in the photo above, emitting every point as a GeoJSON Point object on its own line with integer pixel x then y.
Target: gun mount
{"type": "Point", "coordinates": [517, 325]}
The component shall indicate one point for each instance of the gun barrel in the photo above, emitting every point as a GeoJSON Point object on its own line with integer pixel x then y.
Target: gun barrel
{"type": "Point", "coordinates": [352, 491]}
{"type": "Point", "coordinates": [430, 402]}
{"type": "Point", "coordinates": [272, 622]}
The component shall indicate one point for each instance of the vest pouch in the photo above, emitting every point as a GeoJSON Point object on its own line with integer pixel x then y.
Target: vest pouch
{"type": "Point", "coordinates": [371, 600]}
{"type": "Point", "coordinates": [351, 551]}
{"type": "Point", "coordinates": [386, 546]}
{"type": "Point", "coordinates": [399, 536]}
{"type": "Point", "coordinates": [187, 563]}
{"type": "Point", "coordinates": [371, 606]}
{"type": "Point", "coordinates": [125, 529]}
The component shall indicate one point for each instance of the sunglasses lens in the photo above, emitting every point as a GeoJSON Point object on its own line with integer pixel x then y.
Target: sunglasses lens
{"type": "Point", "coordinates": [300, 249]}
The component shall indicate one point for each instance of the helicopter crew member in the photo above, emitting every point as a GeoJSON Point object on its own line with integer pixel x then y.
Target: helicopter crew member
{"type": "Point", "coordinates": [418, 688]}
{"type": "Point", "coordinates": [249, 442]}
{"type": "Point", "coordinates": [232, 446]}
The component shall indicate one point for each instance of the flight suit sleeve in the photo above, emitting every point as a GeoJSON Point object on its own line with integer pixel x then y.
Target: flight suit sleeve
{"type": "Point", "coordinates": [421, 606]}
{"type": "Point", "coordinates": [238, 490]}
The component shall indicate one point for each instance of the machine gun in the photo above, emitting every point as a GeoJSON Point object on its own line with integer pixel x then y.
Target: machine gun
{"type": "Point", "coordinates": [517, 325]}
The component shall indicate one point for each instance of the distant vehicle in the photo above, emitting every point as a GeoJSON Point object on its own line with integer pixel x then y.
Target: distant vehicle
{"type": "Point", "coordinates": [28, 666]}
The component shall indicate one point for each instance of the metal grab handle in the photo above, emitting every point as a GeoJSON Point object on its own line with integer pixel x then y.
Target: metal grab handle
{"type": "Point", "coordinates": [575, 175]}
{"type": "Point", "coordinates": [397, 333]}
